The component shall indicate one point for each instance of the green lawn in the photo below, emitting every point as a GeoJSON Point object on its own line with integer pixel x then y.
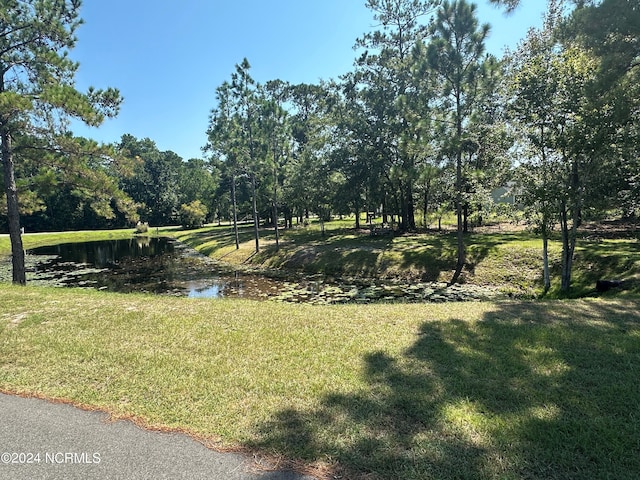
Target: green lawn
{"type": "Point", "coordinates": [510, 390]}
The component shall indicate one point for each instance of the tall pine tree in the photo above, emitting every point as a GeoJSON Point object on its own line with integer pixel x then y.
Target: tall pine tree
{"type": "Point", "coordinates": [37, 91]}
{"type": "Point", "coordinates": [456, 54]}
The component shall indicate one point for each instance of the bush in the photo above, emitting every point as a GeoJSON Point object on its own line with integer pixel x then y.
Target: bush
{"type": "Point", "coordinates": [192, 215]}
{"type": "Point", "coordinates": [142, 227]}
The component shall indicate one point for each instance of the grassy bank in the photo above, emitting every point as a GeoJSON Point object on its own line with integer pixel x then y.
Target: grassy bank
{"type": "Point", "coordinates": [510, 260]}
{"type": "Point", "coordinates": [473, 390]}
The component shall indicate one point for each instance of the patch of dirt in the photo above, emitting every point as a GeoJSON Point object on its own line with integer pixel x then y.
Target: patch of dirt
{"type": "Point", "coordinates": [15, 320]}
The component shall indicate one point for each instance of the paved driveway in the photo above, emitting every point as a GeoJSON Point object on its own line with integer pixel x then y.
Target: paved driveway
{"type": "Point", "coordinates": [44, 440]}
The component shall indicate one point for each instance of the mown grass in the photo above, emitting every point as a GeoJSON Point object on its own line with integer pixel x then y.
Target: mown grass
{"type": "Point", "coordinates": [341, 251]}
{"type": "Point", "coordinates": [509, 390]}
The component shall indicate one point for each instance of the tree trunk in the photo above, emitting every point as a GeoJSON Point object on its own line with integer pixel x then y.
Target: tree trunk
{"type": "Point", "coordinates": [545, 260]}
{"type": "Point", "coordinates": [385, 214]}
{"type": "Point", "coordinates": [235, 211]}
{"type": "Point", "coordinates": [275, 223]}
{"type": "Point", "coordinates": [425, 205]}
{"type": "Point", "coordinates": [288, 216]}
{"type": "Point", "coordinates": [568, 247]}
{"type": "Point", "coordinates": [357, 217]}
{"type": "Point", "coordinates": [411, 210]}
{"type": "Point", "coordinates": [460, 234]}
{"type": "Point", "coordinates": [465, 218]}
{"type": "Point", "coordinates": [401, 202]}
{"type": "Point", "coordinates": [570, 234]}
{"type": "Point", "coordinates": [256, 226]}
{"type": "Point", "coordinates": [275, 205]}
{"type": "Point", "coordinates": [13, 210]}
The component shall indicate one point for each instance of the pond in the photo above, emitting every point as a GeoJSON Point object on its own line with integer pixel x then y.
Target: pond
{"type": "Point", "coordinates": [166, 266]}
{"type": "Point", "coordinates": [141, 264]}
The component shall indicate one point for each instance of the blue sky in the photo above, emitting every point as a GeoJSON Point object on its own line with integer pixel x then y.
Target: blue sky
{"type": "Point", "coordinates": [168, 57]}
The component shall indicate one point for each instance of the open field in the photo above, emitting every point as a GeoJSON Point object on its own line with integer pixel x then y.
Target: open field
{"type": "Point", "coordinates": [475, 390]}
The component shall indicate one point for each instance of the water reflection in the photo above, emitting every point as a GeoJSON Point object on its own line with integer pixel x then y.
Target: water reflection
{"type": "Point", "coordinates": [143, 264]}
{"type": "Point", "coordinates": [106, 253]}
{"type": "Point", "coordinates": [214, 291]}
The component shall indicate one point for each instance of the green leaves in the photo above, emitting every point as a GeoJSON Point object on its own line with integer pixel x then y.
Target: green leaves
{"type": "Point", "coordinates": [192, 215]}
{"type": "Point", "coordinates": [568, 125]}
{"type": "Point", "coordinates": [37, 73]}
{"type": "Point", "coordinates": [510, 5]}
{"type": "Point", "coordinates": [13, 104]}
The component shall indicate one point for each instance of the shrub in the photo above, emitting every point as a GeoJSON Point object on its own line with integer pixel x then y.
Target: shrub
{"type": "Point", "coordinates": [192, 215]}
{"type": "Point", "coordinates": [142, 227]}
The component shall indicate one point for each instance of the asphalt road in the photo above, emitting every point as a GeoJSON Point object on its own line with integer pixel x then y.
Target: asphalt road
{"type": "Point", "coordinates": [44, 440]}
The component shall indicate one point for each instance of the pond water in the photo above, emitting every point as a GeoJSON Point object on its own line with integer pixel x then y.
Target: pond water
{"type": "Point", "coordinates": [142, 264]}
{"type": "Point", "coordinates": [166, 266]}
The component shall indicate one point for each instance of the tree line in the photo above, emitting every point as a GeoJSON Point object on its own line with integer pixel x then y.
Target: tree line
{"type": "Point", "coordinates": [427, 122]}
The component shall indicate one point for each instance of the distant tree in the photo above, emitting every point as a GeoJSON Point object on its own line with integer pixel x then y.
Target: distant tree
{"type": "Point", "coordinates": [276, 131]}
{"type": "Point", "coordinates": [429, 176]}
{"type": "Point", "coordinates": [355, 153]}
{"type": "Point", "coordinates": [155, 183]}
{"type": "Point", "coordinates": [249, 137]}
{"type": "Point", "coordinates": [386, 82]}
{"type": "Point", "coordinates": [197, 180]}
{"type": "Point", "coordinates": [72, 187]}
{"type": "Point", "coordinates": [487, 163]}
{"type": "Point", "coordinates": [37, 91]}
{"type": "Point", "coordinates": [244, 92]}
{"type": "Point", "coordinates": [307, 122]}
{"type": "Point", "coordinates": [225, 147]}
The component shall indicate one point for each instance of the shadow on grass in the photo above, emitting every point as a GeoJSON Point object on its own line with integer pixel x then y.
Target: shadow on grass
{"type": "Point", "coordinates": [605, 260]}
{"type": "Point", "coordinates": [432, 254]}
{"type": "Point", "coordinates": [536, 391]}
{"type": "Point", "coordinates": [356, 253]}
{"type": "Point", "coordinates": [339, 252]}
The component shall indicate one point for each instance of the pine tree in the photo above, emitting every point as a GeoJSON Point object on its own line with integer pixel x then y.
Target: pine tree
{"type": "Point", "coordinates": [456, 55]}
{"type": "Point", "coordinates": [37, 91]}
